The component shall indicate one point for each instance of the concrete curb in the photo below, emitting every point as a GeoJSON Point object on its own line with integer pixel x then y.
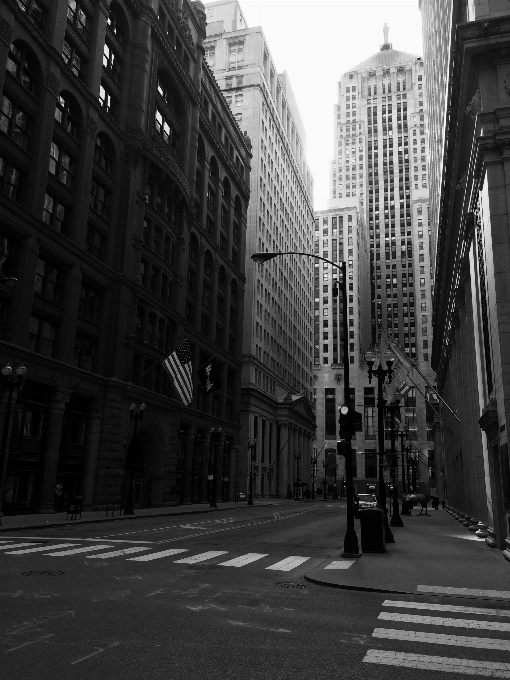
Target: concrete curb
{"type": "Point", "coordinates": [367, 589]}
{"type": "Point", "coordinates": [64, 523]}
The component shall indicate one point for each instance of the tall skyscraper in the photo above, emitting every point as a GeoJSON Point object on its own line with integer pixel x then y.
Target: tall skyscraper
{"type": "Point", "coordinates": [277, 385]}
{"type": "Point", "coordinates": [380, 163]}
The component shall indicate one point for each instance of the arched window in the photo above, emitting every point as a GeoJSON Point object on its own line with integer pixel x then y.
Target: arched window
{"type": "Point", "coordinates": [208, 264]}
{"type": "Point", "coordinates": [212, 192]}
{"type": "Point", "coordinates": [23, 65]}
{"type": "Point", "coordinates": [68, 113]}
{"type": "Point", "coordinates": [104, 152]}
{"type": "Point", "coordinates": [193, 248]}
{"type": "Point", "coordinates": [234, 292]}
{"type": "Point", "coordinates": [167, 113]}
{"type": "Point", "coordinates": [222, 278]}
{"type": "Point", "coordinates": [140, 318]}
{"type": "Point", "coordinates": [117, 24]}
{"type": "Point", "coordinates": [161, 334]}
{"type": "Point", "coordinates": [151, 329]}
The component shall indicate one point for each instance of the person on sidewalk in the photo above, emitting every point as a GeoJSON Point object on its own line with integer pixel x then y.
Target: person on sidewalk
{"type": "Point", "coordinates": [435, 503]}
{"type": "Point", "coordinates": [424, 506]}
{"type": "Point", "coordinates": [236, 498]}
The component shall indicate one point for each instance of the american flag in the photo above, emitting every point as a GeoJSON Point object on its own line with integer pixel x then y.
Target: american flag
{"type": "Point", "coordinates": [178, 367]}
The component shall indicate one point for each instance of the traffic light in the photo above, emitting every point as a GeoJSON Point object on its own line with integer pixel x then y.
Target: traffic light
{"type": "Point", "coordinates": [344, 420]}
{"type": "Point", "coordinates": [350, 421]}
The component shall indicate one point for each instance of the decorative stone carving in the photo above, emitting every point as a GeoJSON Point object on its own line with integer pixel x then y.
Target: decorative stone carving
{"type": "Point", "coordinates": [131, 156]}
{"type": "Point", "coordinates": [52, 82]}
{"type": "Point", "coordinates": [91, 126]}
{"type": "Point", "coordinates": [5, 31]}
{"type": "Point", "coordinates": [247, 141]}
{"type": "Point", "coordinates": [475, 105]}
{"type": "Point", "coordinates": [338, 378]}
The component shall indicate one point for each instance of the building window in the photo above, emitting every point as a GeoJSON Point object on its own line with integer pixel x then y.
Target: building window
{"type": "Point", "coordinates": [107, 101]}
{"type": "Point", "coordinates": [330, 416]}
{"type": "Point", "coordinates": [14, 122]}
{"type": "Point", "coordinates": [55, 214]}
{"type": "Point", "coordinates": [73, 59]}
{"type": "Point", "coordinates": [35, 10]}
{"type": "Point", "coordinates": [11, 180]}
{"type": "Point", "coordinates": [22, 65]}
{"type": "Point", "coordinates": [95, 243]}
{"type": "Point", "coordinates": [61, 164]}
{"type": "Point", "coordinates": [88, 306]}
{"type": "Point", "coordinates": [47, 280]}
{"type": "Point", "coordinates": [66, 113]}
{"type": "Point", "coordinates": [78, 18]}
{"type": "Point", "coordinates": [236, 55]}
{"type": "Point", "coordinates": [99, 199]}
{"type": "Point", "coordinates": [83, 355]}
{"type": "Point", "coordinates": [114, 24]}
{"type": "Point", "coordinates": [103, 153]}
{"type": "Point", "coordinates": [111, 62]}
{"type": "Point", "coordinates": [41, 336]}
{"type": "Point", "coordinates": [165, 129]}
{"type": "Point", "coordinates": [370, 463]}
{"type": "Point", "coordinates": [210, 55]}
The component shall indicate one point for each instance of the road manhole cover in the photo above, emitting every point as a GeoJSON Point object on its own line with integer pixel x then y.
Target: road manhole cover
{"type": "Point", "coordinates": [292, 585]}
{"type": "Point", "coordinates": [42, 573]}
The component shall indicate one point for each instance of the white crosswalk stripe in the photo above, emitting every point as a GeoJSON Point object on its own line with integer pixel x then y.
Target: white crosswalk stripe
{"type": "Point", "coordinates": [15, 545]}
{"type": "Point", "coordinates": [288, 563]}
{"type": "Point", "coordinates": [202, 557]}
{"type": "Point", "coordinates": [243, 560]}
{"type": "Point", "coordinates": [446, 664]}
{"type": "Point", "coordinates": [157, 555]}
{"type": "Point", "coordinates": [118, 553]}
{"type": "Point", "coordinates": [40, 549]}
{"type": "Point", "coordinates": [77, 551]}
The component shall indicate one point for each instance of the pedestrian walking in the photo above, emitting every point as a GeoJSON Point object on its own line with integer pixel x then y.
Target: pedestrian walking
{"type": "Point", "coordinates": [435, 503]}
{"type": "Point", "coordinates": [236, 498]}
{"type": "Point", "coordinates": [423, 503]}
{"type": "Point", "coordinates": [443, 503]}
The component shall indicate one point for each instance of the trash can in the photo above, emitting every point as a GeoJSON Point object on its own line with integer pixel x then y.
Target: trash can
{"type": "Point", "coordinates": [373, 538]}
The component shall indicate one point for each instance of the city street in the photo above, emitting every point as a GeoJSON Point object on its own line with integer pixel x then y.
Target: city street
{"type": "Point", "coordinates": [223, 595]}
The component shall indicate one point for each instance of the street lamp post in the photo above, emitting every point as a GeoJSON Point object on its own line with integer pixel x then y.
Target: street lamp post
{"type": "Point", "coordinates": [351, 548]}
{"type": "Point", "coordinates": [396, 519]}
{"type": "Point", "coordinates": [14, 382]}
{"type": "Point", "coordinates": [136, 415]}
{"type": "Point", "coordinates": [382, 375]}
{"type": "Point", "coordinates": [251, 448]}
{"type": "Point", "coordinates": [314, 473]}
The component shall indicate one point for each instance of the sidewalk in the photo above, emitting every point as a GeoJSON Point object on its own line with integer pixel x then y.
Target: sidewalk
{"type": "Point", "coordinates": [44, 521]}
{"type": "Point", "coordinates": [436, 552]}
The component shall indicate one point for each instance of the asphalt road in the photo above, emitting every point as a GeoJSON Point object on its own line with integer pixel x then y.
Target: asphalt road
{"type": "Point", "coordinates": [229, 601]}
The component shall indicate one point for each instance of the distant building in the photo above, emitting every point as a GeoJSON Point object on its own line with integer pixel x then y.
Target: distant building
{"type": "Point", "coordinates": [277, 384]}
{"type": "Point", "coordinates": [467, 66]}
{"type": "Point", "coordinates": [340, 234]}
{"type": "Point", "coordinates": [124, 186]}
{"type": "Point", "coordinates": [379, 166]}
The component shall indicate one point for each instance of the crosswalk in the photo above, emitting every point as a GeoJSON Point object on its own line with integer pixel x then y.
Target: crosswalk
{"type": "Point", "coordinates": [445, 616]}
{"type": "Point", "coordinates": [108, 550]}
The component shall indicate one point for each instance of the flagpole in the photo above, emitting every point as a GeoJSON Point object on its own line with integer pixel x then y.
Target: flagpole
{"type": "Point", "coordinates": [392, 340]}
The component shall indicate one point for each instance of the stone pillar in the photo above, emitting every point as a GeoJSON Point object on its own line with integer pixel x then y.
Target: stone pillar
{"type": "Point", "coordinates": [188, 465]}
{"type": "Point", "coordinates": [92, 454]}
{"type": "Point", "coordinates": [49, 462]}
{"type": "Point", "coordinates": [206, 443]}
{"type": "Point", "coordinates": [283, 462]}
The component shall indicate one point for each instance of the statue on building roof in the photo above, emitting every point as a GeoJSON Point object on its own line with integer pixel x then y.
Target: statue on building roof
{"type": "Point", "coordinates": [386, 30]}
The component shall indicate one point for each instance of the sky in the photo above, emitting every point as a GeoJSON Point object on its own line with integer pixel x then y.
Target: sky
{"type": "Point", "coordinates": [316, 41]}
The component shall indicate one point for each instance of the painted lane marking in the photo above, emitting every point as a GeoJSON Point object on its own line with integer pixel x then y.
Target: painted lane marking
{"type": "Point", "coordinates": [40, 548]}
{"type": "Point", "coordinates": [243, 560]}
{"type": "Point", "coordinates": [15, 545]}
{"type": "Point", "coordinates": [117, 553]}
{"type": "Point", "coordinates": [201, 557]}
{"type": "Point", "coordinates": [76, 551]}
{"type": "Point", "coordinates": [289, 563]}
{"type": "Point", "coordinates": [340, 564]}
{"type": "Point", "coordinates": [158, 555]}
{"type": "Point", "coordinates": [439, 639]}
{"type": "Point", "coordinates": [25, 644]}
{"type": "Point", "coordinates": [73, 538]}
{"type": "Point", "coordinates": [254, 625]}
{"type": "Point", "coordinates": [440, 621]}
{"type": "Point", "coordinates": [501, 594]}
{"type": "Point", "coordinates": [487, 669]}
{"type": "Point", "coordinates": [447, 608]}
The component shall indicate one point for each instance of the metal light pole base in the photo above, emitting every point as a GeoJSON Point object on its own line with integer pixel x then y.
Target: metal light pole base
{"type": "Point", "coordinates": [396, 521]}
{"type": "Point", "coordinates": [250, 501]}
{"type": "Point", "coordinates": [351, 547]}
{"type": "Point", "coordinates": [387, 531]}
{"type": "Point", "coordinates": [129, 511]}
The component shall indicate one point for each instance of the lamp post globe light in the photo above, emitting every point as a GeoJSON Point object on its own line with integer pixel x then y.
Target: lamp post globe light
{"type": "Point", "coordinates": [15, 382]}
{"type": "Point", "coordinates": [136, 415]}
{"type": "Point", "coordinates": [382, 375]}
{"type": "Point", "coordinates": [351, 547]}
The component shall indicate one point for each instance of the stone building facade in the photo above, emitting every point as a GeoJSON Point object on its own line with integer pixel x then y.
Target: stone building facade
{"type": "Point", "coordinates": [124, 187]}
{"type": "Point", "coordinates": [468, 83]}
{"type": "Point", "coordinates": [277, 383]}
